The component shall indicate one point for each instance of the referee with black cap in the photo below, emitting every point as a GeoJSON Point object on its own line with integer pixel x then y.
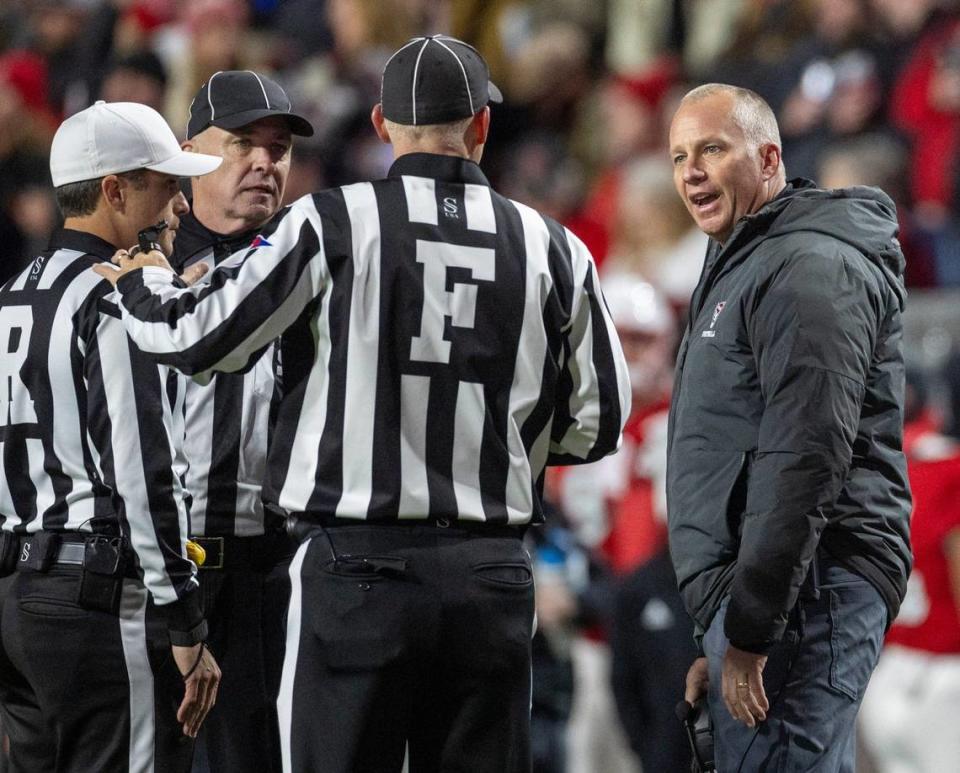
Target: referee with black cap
{"type": "Point", "coordinates": [247, 119]}
{"type": "Point", "coordinates": [457, 343]}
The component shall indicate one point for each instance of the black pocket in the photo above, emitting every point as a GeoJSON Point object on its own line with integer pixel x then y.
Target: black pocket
{"type": "Point", "coordinates": [52, 608]}
{"type": "Point", "coordinates": [508, 573]}
{"type": "Point", "coordinates": [366, 566]}
{"type": "Point", "coordinates": [361, 616]}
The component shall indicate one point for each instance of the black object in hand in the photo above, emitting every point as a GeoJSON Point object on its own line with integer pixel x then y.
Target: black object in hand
{"type": "Point", "coordinates": [149, 238]}
{"type": "Point", "coordinates": [696, 721]}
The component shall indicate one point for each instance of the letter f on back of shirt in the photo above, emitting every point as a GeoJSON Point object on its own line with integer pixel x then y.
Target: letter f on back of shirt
{"type": "Point", "coordinates": [433, 365]}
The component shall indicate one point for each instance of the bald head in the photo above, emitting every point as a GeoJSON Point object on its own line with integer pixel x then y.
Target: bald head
{"type": "Point", "coordinates": [725, 149]}
{"type": "Point", "coordinates": [750, 111]}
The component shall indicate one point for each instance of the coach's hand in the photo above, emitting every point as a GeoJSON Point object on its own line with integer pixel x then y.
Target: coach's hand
{"type": "Point", "coordinates": [201, 676]}
{"type": "Point", "coordinates": [743, 691]}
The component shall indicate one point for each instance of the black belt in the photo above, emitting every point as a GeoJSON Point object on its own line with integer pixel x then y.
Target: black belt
{"type": "Point", "coordinates": [70, 553]}
{"type": "Point", "coordinates": [228, 553]}
{"type": "Point", "coordinates": [42, 550]}
{"type": "Point", "coordinates": [303, 525]}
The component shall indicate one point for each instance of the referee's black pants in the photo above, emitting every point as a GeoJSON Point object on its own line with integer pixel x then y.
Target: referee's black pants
{"type": "Point", "coordinates": [407, 637]}
{"type": "Point", "coordinates": [245, 606]}
{"type": "Point", "coordinates": [84, 690]}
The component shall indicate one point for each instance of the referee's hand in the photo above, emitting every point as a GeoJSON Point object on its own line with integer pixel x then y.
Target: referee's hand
{"type": "Point", "coordinates": [201, 676]}
{"type": "Point", "coordinates": [124, 263]}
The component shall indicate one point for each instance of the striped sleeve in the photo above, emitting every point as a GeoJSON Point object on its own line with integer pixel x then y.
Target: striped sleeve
{"type": "Point", "coordinates": [127, 404]}
{"type": "Point", "coordinates": [596, 399]}
{"type": "Point", "coordinates": [225, 324]}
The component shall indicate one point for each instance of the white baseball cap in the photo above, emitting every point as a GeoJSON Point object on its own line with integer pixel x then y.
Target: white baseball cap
{"type": "Point", "coordinates": [114, 137]}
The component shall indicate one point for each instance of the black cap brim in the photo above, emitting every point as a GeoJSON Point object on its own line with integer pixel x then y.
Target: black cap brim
{"type": "Point", "coordinates": [299, 125]}
{"type": "Point", "coordinates": [495, 93]}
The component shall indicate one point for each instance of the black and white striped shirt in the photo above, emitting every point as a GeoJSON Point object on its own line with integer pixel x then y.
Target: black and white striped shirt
{"type": "Point", "coordinates": [227, 422]}
{"type": "Point", "coordinates": [441, 345]}
{"type": "Point", "coordinates": [85, 439]}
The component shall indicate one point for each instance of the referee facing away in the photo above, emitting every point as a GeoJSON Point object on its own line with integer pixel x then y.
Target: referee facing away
{"type": "Point", "coordinates": [457, 343]}
{"type": "Point", "coordinates": [92, 522]}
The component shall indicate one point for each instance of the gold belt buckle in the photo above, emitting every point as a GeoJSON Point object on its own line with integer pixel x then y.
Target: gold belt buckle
{"type": "Point", "coordinates": [208, 541]}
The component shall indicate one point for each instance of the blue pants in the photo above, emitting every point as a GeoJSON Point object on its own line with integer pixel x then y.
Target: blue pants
{"type": "Point", "coordinates": [814, 678]}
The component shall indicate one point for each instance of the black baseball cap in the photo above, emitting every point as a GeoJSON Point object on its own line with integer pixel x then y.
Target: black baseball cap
{"type": "Point", "coordinates": [435, 79]}
{"type": "Point", "coordinates": [234, 98]}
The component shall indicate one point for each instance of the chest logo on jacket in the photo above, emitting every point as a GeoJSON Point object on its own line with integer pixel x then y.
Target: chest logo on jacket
{"type": "Point", "coordinates": [710, 332]}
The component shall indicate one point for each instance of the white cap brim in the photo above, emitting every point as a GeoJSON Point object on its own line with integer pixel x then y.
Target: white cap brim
{"type": "Point", "coordinates": [185, 164]}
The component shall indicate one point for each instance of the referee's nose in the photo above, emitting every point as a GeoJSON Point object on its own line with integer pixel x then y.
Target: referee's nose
{"type": "Point", "coordinates": [263, 159]}
{"type": "Point", "coordinates": [180, 204]}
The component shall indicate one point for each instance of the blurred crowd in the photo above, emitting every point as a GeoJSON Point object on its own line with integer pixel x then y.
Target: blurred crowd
{"type": "Point", "coordinates": [866, 91]}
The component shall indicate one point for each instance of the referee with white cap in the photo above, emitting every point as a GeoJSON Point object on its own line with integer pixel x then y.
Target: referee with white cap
{"type": "Point", "coordinates": [92, 522]}
{"type": "Point", "coordinates": [457, 343]}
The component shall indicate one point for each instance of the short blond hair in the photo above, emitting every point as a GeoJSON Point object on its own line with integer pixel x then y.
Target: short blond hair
{"type": "Point", "coordinates": [752, 113]}
{"type": "Point", "coordinates": [450, 134]}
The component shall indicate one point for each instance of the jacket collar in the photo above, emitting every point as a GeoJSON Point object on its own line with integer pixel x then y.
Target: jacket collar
{"type": "Point", "coordinates": [747, 233]}
{"type": "Point", "coordinates": [193, 237]}
{"type": "Point", "coordinates": [749, 226]}
{"type": "Point", "coordinates": [771, 210]}
{"type": "Point", "coordinates": [455, 169]}
{"type": "Point", "coordinates": [82, 241]}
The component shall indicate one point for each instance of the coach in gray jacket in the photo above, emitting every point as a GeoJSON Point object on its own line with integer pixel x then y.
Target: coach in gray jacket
{"type": "Point", "coordinates": [787, 488]}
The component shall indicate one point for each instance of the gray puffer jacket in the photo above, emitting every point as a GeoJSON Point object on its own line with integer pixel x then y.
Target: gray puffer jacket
{"type": "Point", "coordinates": [787, 412]}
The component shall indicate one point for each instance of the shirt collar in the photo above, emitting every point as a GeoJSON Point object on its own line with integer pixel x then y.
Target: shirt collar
{"type": "Point", "coordinates": [82, 241]}
{"type": "Point", "coordinates": [194, 237]}
{"type": "Point", "coordinates": [448, 168]}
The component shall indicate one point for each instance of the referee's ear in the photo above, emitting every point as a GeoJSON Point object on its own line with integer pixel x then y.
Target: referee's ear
{"type": "Point", "coordinates": [481, 124]}
{"type": "Point", "coordinates": [112, 193]}
{"type": "Point", "coordinates": [476, 136]}
{"type": "Point", "coordinates": [380, 124]}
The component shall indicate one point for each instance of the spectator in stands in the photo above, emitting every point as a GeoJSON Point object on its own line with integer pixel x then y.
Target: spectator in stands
{"type": "Point", "coordinates": [562, 577]}
{"type": "Point", "coordinates": [653, 236]}
{"type": "Point", "coordinates": [117, 31]}
{"type": "Point", "coordinates": [138, 77]}
{"type": "Point", "coordinates": [901, 24]}
{"type": "Point", "coordinates": [835, 98]}
{"type": "Point", "coordinates": [53, 32]}
{"type": "Point", "coordinates": [925, 105]}
{"type": "Point", "coordinates": [880, 160]}
{"type": "Point", "coordinates": [617, 507]}
{"type": "Point", "coordinates": [212, 36]}
{"type": "Point", "coordinates": [27, 209]}
{"type": "Point", "coordinates": [630, 110]}
{"type": "Point", "coordinates": [652, 646]}
{"type": "Point", "coordinates": [337, 86]}
{"type": "Point", "coordinates": [757, 55]}
{"type": "Point", "coordinates": [550, 74]}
